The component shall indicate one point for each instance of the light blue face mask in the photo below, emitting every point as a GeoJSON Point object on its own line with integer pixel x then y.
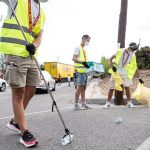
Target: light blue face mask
{"type": "Point", "coordinates": [86, 43]}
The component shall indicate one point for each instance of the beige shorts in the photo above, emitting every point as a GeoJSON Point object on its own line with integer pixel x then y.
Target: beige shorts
{"type": "Point", "coordinates": [21, 71]}
{"type": "Point", "coordinates": [126, 82]}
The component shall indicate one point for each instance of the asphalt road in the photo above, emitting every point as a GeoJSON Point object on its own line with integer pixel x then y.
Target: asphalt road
{"type": "Point", "coordinates": [94, 129]}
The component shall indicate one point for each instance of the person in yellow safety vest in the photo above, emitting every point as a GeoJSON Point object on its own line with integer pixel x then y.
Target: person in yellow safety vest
{"type": "Point", "coordinates": [126, 67]}
{"type": "Point", "coordinates": [22, 73]}
{"type": "Point", "coordinates": [80, 62]}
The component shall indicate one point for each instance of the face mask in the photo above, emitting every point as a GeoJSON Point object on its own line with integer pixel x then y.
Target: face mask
{"type": "Point", "coordinates": [86, 43]}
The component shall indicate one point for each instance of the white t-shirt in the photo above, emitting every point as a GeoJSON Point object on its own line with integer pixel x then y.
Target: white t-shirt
{"type": "Point", "coordinates": [77, 51]}
{"type": "Point", "coordinates": [69, 78]}
{"type": "Point", "coordinates": [35, 8]}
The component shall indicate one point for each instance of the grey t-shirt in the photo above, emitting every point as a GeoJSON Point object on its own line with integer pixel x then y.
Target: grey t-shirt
{"type": "Point", "coordinates": [35, 8]}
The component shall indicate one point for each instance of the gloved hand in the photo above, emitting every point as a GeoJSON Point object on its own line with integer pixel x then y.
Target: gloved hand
{"type": "Point", "coordinates": [31, 49]}
{"type": "Point", "coordinates": [141, 81]}
{"type": "Point", "coordinates": [114, 69]}
{"type": "Point", "coordinates": [86, 65]}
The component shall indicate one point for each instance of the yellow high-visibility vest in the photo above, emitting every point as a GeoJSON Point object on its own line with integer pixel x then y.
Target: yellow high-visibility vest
{"type": "Point", "coordinates": [130, 67]}
{"type": "Point", "coordinates": [82, 57]}
{"type": "Point", "coordinates": [11, 38]}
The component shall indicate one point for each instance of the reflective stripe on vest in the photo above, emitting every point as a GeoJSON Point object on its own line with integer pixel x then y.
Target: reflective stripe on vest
{"type": "Point", "coordinates": [130, 67]}
{"type": "Point", "coordinates": [11, 38]}
{"type": "Point", "coordinates": [17, 27]}
{"type": "Point", "coordinates": [80, 68]}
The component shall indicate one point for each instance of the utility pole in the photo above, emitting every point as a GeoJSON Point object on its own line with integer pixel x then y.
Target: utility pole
{"type": "Point", "coordinates": [121, 39]}
{"type": "Point", "coordinates": [122, 23]}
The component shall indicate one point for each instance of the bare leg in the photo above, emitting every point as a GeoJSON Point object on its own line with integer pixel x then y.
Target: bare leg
{"type": "Point", "coordinates": [77, 93]}
{"type": "Point", "coordinates": [128, 93]}
{"type": "Point", "coordinates": [110, 94]}
{"type": "Point", "coordinates": [83, 93]}
{"type": "Point", "coordinates": [17, 101]}
{"type": "Point", "coordinates": [29, 93]}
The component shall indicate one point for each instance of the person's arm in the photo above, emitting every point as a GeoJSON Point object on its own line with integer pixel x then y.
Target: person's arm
{"type": "Point", "coordinates": [38, 39]}
{"type": "Point", "coordinates": [31, 48]}
{"type": "Point", "coordinates": [76, 55]}
{"type": "Point", "coordinates": [76, 60]}
{"type": "Point", "coordinates": [137, 75]}
{"type": "Point", "coordinates": [111, 62]}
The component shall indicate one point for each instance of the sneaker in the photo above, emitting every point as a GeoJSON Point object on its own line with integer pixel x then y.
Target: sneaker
{"type": "Point", "coordinates": [86, 106]}
{"type": "Point", "coordinates": [77, 107]}
{"type": "Point", "coordinates": [106, 105]}
{"type": "Point", "coordinates": [130, 104]}
{"type": "Point", "coordinates": [28, 140]}
{"type": "Point", "coordinates": [13, 126]}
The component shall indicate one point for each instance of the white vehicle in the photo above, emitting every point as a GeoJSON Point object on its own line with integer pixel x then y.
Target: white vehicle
{"type": "Point", "coordinates": [2, 85]}
{"type": "Point", "coordinates": [49, 80]}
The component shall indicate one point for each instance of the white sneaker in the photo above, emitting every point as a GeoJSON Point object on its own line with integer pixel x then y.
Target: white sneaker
{"type": "Point", "coordinates": [78, 107]}
{"type": "Point", "coordinates": [130, 104]}
{"type": "Point", "coordinates": [86, 106]}
{"type": "Point", "coordinates": [106, 105]}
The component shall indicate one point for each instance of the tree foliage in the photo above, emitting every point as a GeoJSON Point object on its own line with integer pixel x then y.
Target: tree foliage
{"type": "Point", "coordinates": [143, 58]}
{"type": "Point", "coordinates": [105, 63]}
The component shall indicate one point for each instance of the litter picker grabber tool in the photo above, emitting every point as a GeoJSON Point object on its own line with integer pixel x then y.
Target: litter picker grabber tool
{"type": "Point", "coordinates": [68, 137]}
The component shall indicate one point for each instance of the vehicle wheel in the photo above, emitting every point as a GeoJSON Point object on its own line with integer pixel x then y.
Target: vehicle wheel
{"type": "Point", "coordinates": [3, 88]}
{"type": "Point", "coordinates": [54, 89]}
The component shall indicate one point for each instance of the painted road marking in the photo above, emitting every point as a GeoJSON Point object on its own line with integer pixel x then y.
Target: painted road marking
{"type": "Point", "coordinates": [44, 111]}
{"type": "Point", "coordinates": [65, 108]}
{"type": "Point", "coordinates": [145, 145]}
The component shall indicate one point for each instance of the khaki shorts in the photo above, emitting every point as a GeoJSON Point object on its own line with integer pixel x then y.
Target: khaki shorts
{"type": "Point", "coordinates": [126, 82]}
{"type": "Point", "coordinates": [21, 71]}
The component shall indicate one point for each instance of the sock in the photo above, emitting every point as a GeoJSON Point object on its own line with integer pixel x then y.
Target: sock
{"type": "Point", "coordinates": [108, 102]}
{"type": "Point", "coordinates": [129, 102]}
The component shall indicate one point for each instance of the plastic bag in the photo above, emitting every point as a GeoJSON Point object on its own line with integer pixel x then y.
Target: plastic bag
{"type": "Point", "coordinates": [95, 68]}
{"type": "Point", "coordinates": [142, 94]}
{"type": "Point", "coordinates": [118, 81]}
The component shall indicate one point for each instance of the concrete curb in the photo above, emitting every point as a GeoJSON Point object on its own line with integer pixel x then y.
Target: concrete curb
{"type": "Point", "coordinates": [102, 101]}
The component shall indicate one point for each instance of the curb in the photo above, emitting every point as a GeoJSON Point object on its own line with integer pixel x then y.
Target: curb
{"type": "Point", "coordinates": [102, 101]}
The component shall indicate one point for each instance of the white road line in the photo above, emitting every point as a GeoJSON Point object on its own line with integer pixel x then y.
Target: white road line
{"type": "Point", "coordinates": [34, 113]}
{"type": "Point", "coordinates": [44, 111]}
{"type": "Point", "coordinates": [145, 145]}
{"type": "Point", "coordinates": [64, 108]}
